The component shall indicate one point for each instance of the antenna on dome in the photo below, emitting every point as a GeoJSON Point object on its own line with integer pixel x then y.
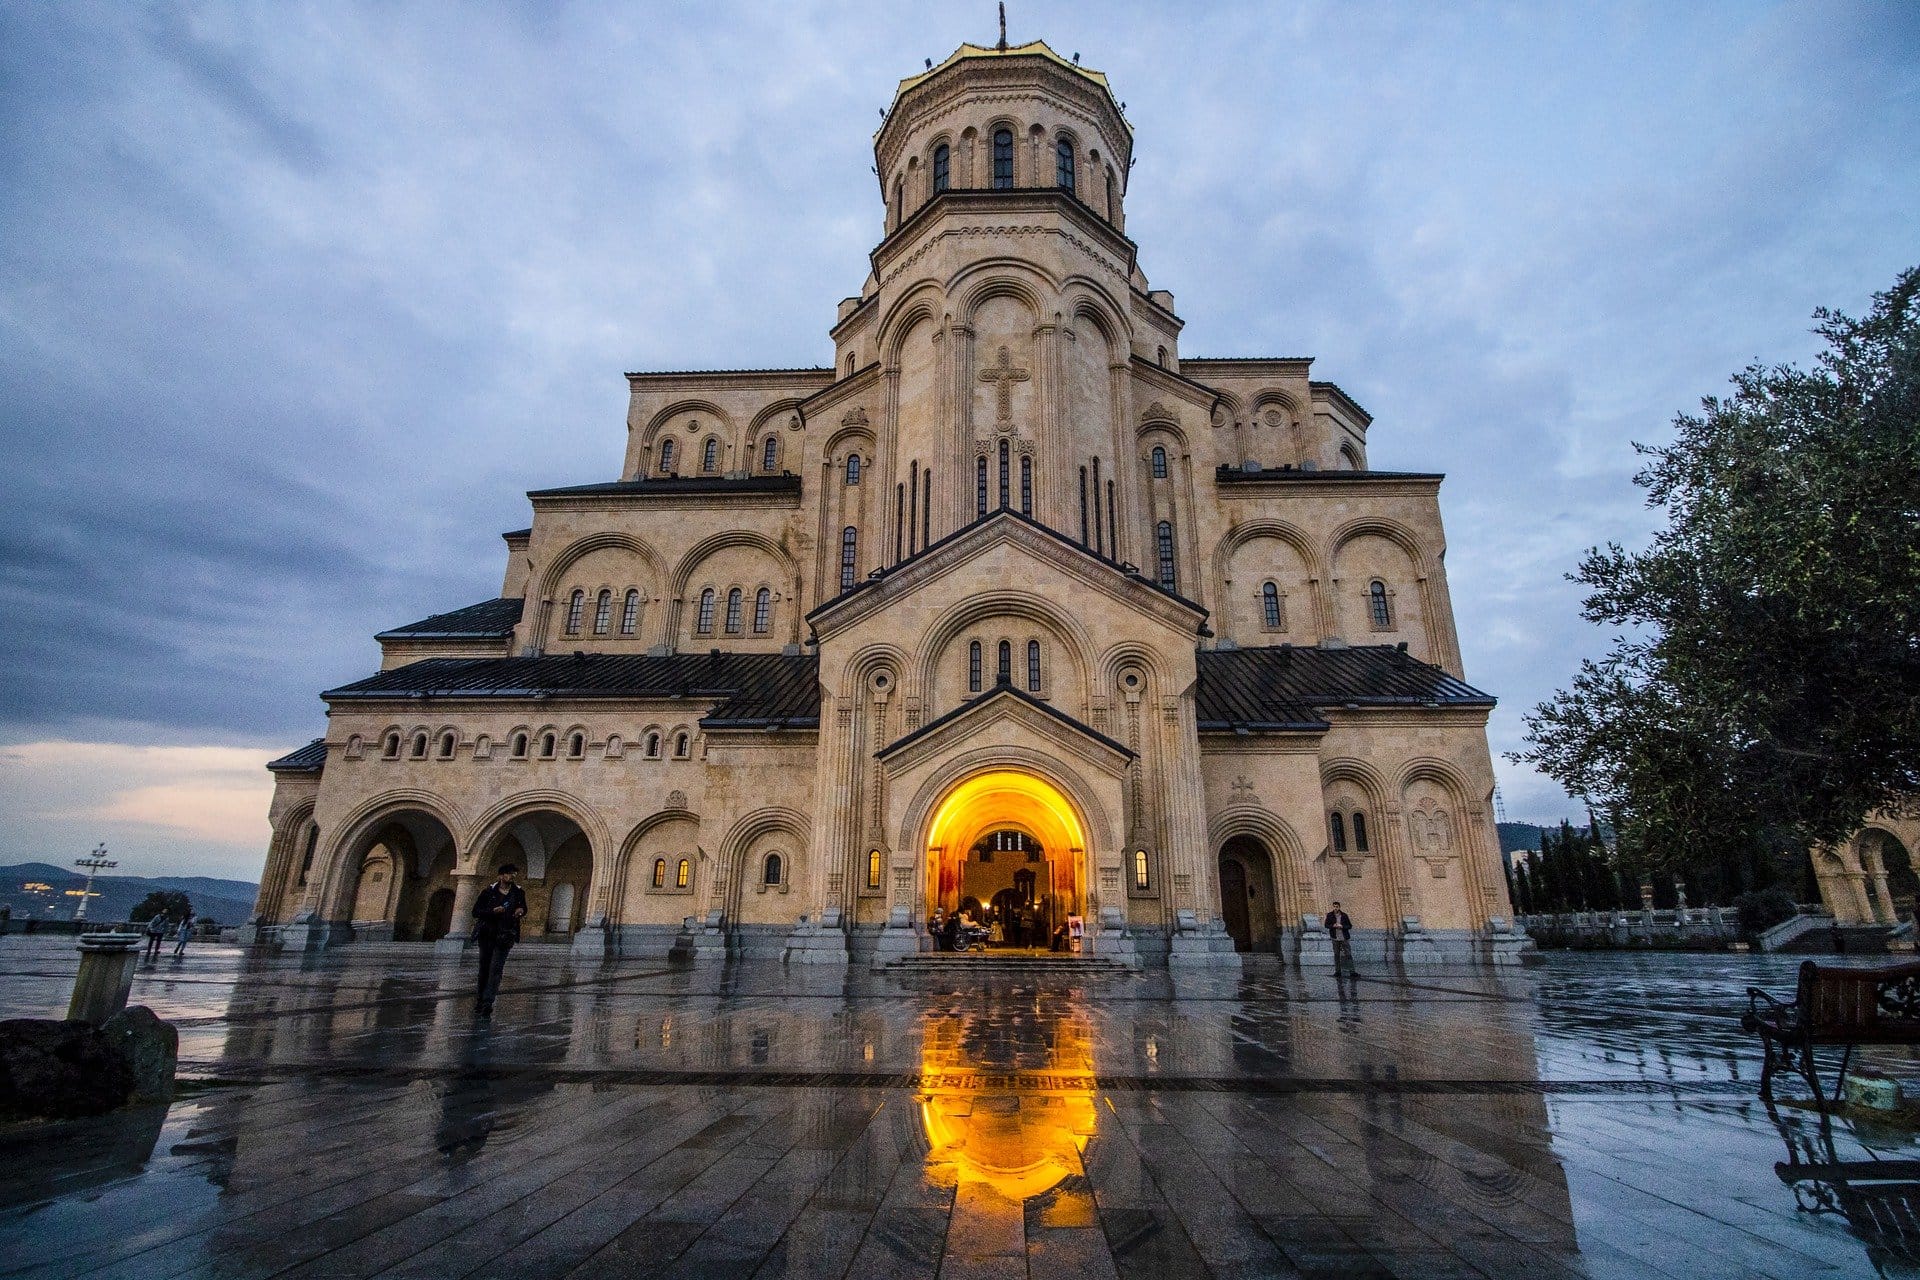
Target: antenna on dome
{"type": "Point", "coordinates": [1003, 26]}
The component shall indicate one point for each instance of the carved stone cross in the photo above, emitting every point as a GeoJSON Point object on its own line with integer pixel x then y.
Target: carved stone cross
{"type": "Point", "coordinates": [1005, 375]}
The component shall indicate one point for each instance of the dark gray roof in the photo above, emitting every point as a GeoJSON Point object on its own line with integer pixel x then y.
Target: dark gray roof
{"type": "Point", "coordinates": [669, 486]}
{"type": "Point", "coordinates": [1286, 686]}
{"type": "Point", "coordinates": [308, 759]}
{"type": "Point", "coordinates": [748, 690]}
{"type": "Point", "coordinates": [488, 620]}
{"type": "Point", "coordinates": [1234, 475]}
{"type": "Point", "coordinates": [1000, 691]}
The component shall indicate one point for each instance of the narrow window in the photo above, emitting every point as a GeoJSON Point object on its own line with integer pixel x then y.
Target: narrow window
{"type": "Point", "coordinates": [1378, 606]}
{"type": "Point", "coordinates": [391, 748]}
{"type": "Point", "coordinates": [710, 455]}
{"type": "Point", "coordinates": [630, 613]}
{"type": "Point", "coordinates": [703, 621]}
{"type": "Point", "coordinates": [546, 746]}
{"type": "Point", "coordinates": [683, 875]}
{"type": "Point", "coordinates": [1006, 473]}
{"type": "Point", "coordinates": [942, 168]}
{"type": "Point", "coordinates": [1063, 165]}
{"type": "Point", "coordinates": [576, 746]}
{"type": "Point", "coordinates": [980, 485]}
{"type": "Point", "coordinates": [735, 598]}
{"type": "Point", "coordinates": [1339, 833]}
{"type": "Point", "coordinates": [913, 505]}
{"type": "Point", "coordinates": [1033, 666]}
{"type": "Point", "coordinates": [1026, 486]}
{"type": "Point", "coordinates": [770, 874]}
{"type": "Point", "coordinates": [1359, 831]}
{"type": "Point", "coordinates": [849, 549]}
{"type": "Point", "coordinates": [666, 457]}
{"type": "Point", "coordinates": [1003, 159]}
{"type": "Point", "coordinates": [446, 746]}
{"type": "Point", "coordinates": [1112, 209]}
{"type": "Point", "coordinates": [1270, 607]}
{"type": "Point", "coordinates": [769, 453]}
{"type": "Point", "coordinates": [1003, 663]}
{"type": "Point", "coordinates": [873, 868]}
{"type": "Point", "coordinates": [926, 508]}
{"type": "Point", "coordinates": [519, 746]}
{"type": "Point", "coordinates": [653, 746]}
{"type": "Point", "coordinates": [659, 873]}
{"type": "Point", "coordinates": [1113, 524]}
{"type": "Point", "coordinates": [1160, 356]}
{"type": "Point", "coordinates": [576, 609]}
{"type": "Point", "coordinates": [1140, 868]}
{"type": "Point", "coordinates": [1098, 542]}
{"type": "Point", "coordinates": [853, 468]}
{"type": "Point", "coordinates": [899, 512]}
{"type": "Point", "coordinates": [1159, 463]}
{"type": "Point", "coordinates": [849, 364]}
{"type": "Point", "coordinates": [762, 611]}
{"type": "Point", "coordinates": [973, 667]}
{"type": "Point", "coordinates": [419, 746]}
{"type": "Point", "coordinates": [899, 201]}
{"type": "Point", "coordinates": [1163, 543]}
{"type": "Point", "coordinates": [602, 612]}
{"type": "Point", "coordinates": [313, 843]}
{"type": "Point", "coordinates": [1083, 506]}
{"type": "Point", "coordinates": [681, 747]}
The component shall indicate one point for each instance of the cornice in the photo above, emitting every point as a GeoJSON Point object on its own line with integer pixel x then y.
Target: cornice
{"type": "Point", "coordinates": [697, 379]}
{"type": "Point", "coordinates": [1000, 79]}
{"type": "Point", "coordinates": [888, 267]}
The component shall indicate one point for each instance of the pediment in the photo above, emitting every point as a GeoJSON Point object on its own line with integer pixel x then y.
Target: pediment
{"type": "Point", "coordinates": [1037, 555]}
{"type": "Point", "coordinates": [1006, 717]}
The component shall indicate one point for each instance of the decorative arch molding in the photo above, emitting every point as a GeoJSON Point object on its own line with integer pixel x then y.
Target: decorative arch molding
{"type": "Point", "coordinates": [1085, 303]}
{"type": "Point", "coordinates": [920, 812]}
{"type": "Point", "coordinates": [723, 421]}
{"type": "Point", "coordinates": [860, 667]}
{"type": "Point", "coordinates": [338, 880]}
{"type": "Point", "coordinates": [683, 575]}
{"type": "Point", "coordinates": [629, 853]}
{"type": "Point", "coordinates": [789, 405]}
{"type": "Point", "coordinates": [1274, 396]}
{"type": "Point", "coordinates": [1290, 864]}
{"type": "Point", "coordinates": [989, 278]}
{"type": "Point", "coordinates": [1020, 604]}
{"type": "Point", "coordinates": [1284, 531]}
{"type": "Point", "coordinates": [490, 826]}
{"type": "Point", "coordinates": [1371, 781]}
{"type": "Point", "coordinates": [579, 549]}
{"type": "Point", "coordinates": [749, 827]}
{"type": "Point", "coordinates": [1128, 653]}
{"type": "Point", "coordinates": [1392, 530]}
{"type": "Point", "coordinates": [1160, 424]}
{"type": "Point", "coordinates": [1440, 773]}
{"type": "Point", "coordinates": [923, 302]}
{"type": "Point", "coordinates": [841, 439]}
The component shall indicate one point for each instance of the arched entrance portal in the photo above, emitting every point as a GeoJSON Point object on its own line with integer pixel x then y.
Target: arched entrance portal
{"type": "Point", "coordinates": [1010, 849]}
{"type": "Point", "coordinates": [1246, 894]}
{"type": "Point", "coordinates": [394, 874]}
{"type": "Point", "coordinates": [556, 870]}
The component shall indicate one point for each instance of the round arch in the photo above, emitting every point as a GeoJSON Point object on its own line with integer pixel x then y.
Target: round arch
{"type": "Point", "coordinates": [339, 880]}
{"type": "Point", "coordinates": [1287, 856]}
{"type": "Point", "coordinates": [650, 433]}
{"type": "Point", "coordinates": [1077, 642]}
{"type": "Point", "coordinates": [1392, 530]}
{"type": "Point", "coordinates": [1002, 796]}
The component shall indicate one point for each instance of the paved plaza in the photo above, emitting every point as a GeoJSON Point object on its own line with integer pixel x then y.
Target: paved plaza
{"type": "Point", "coordinates": [347, 1116]}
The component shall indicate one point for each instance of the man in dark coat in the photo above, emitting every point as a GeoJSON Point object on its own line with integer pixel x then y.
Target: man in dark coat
{"type": "Point", "coordinates": [496, 928]}
{"type": "Point", "coordinates": [1339, 927]}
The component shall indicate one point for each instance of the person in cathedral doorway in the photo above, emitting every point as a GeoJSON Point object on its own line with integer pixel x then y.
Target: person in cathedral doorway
{"type": "Point", "coordinates": [1339, 927]}
{"type": "Point", "coordinates": [936, 929]}
{"type": "Point", "coordinates": [950, 931]}
{"type": "Point", "coordinates": [496, 928]}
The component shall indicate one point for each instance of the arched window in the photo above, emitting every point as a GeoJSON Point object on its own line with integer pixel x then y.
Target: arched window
{"type": "Point", "coordinates": [1026, 485]}
{"type": "Point", "coordinates": [1003, 663]}
{"type": "Point", "coordinates": [1006, 473]}
{"type": "Point", "coordinates": [1270, 614]}
{"type": "Point", "coordinates": [899, 200]}
{"type": "Point", "coordinates": [666, 456]}
{"type": "Point", "coordinates": [1112, 209]}
{"type": "Point", "coordinates": [762, 611]}
{"type": "Point", "coordinates": [703, 620]}
{"type": "Point", "coordinates": [630, 613]}
{"type": "Point", "coordinates": [942, 168]}
{"type": "Point", "coordinates": [973, 667]}
{"type": "Point", "coordinates": [653, 746]}
{"type": "Point", "coordinates": [1339, 830]}
{"type": "Point", "coordinates": [1063, 165]}
{"type": "Point", "coordinates": [1003, 159]}
{"type": "Point", "coordinates": [447, 743]}
{"type": "Point", "coordinates": [770, 870]}
{"type": "Point", "coordinates": [1379, 608]}
{"type": "Point", "coordinates": [853, 468]}
{"type": "Point", "coordinates": [659, 873]}
{"type": "Point", "coordinates": [313, 845]}
{"type": "Point", "coordinates": [1033, 666]}
{"type": "Point", "coordinates": [1359, 831]}
{"type": "Point", "coordinates": [769, 452]}
{"type": "Point", "coordinates": [546, 746]}
{"type": "Point", "coordinates": [1140, 868]}
{"type": "Point", "coordinates": [519, 746]}
{"type": "Point", "coordinates": [1159, 463]}
{"type": "Point", "coordinates": [683, 874]}
{"type": "Point", "coordinates": [576, 611]}
{"type": "Point", "coordinates": [682, 746]}
{"type": "Point", "coordinates": [849, 551]}
{"type": "Point", "coordinates": [873, 868]}
{"type": "Point", "coordinates": [980, 485]}
{"type": "Point", "coordinates": [576, 746]}
{"type": "Point", "coordinates": [710, 455]}
{"type": "Point", "coordinates": [1163, 545]}
{"type": "Point", "coordinates": [390, 749]}
{"type": "Point", "coordinates": [419, 746]}
{"type": "Point", "coordinates": [734, 598]}
{"type": "Point", "coordinates": [602, 612]}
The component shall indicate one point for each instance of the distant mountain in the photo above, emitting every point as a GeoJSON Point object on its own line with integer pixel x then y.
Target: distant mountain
{"type": "Point", "coordinates": [224, 901]}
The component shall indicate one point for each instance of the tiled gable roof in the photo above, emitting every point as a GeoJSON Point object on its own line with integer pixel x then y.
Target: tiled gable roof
{"type": "Point", "coordinates": [488, 620]}
{"type": "Point", "coordinates": [308, 759]}
{"type": "Point", "coordinates": [1285, 687]}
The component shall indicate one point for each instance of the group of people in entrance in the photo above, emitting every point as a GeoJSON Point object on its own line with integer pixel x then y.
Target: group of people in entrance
{"type": "Point", "coordinates": [1018, 926]}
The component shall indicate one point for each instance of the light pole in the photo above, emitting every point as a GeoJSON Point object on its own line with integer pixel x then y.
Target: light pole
{"type": "Point", "coordinates": [94, 863]}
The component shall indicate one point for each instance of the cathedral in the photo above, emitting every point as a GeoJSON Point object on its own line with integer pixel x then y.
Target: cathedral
{"type": "Point", "coordinates": [1014, 610]}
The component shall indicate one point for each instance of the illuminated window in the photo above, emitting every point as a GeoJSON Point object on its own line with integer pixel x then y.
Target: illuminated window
{"type": "Point", "coordinates": [873, 869]}
{"type": "Point", "coordinates": [683, 874]}
{"type": "Point", "coordinates": [659, 873]}
{"type": "Point", "coordinates": [1139, 868]}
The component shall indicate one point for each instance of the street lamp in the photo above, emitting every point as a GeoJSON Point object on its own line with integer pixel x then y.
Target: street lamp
{"type": "Point", "coordinates": [94, 863]}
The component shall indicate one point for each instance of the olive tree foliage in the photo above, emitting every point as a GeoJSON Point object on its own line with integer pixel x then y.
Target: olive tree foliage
{"type": "Point", "coordinates": [1762, 692]}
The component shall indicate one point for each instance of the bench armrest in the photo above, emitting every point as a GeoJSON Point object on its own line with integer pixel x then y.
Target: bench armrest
{"type": "Point", "coordinates": [1763, 1007]}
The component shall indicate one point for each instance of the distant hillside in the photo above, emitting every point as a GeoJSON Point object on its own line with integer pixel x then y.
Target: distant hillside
{"type": "Point", "coordinates": [1515, 836]}
{"type": "Point", "coordinates": [224, 901]}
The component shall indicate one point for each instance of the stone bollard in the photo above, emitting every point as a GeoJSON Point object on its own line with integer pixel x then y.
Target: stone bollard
{"type": "Point", "coordinates": [107, 962]}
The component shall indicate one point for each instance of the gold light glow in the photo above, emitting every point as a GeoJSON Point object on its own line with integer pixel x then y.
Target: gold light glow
{"type": "Point", "coordinates": [1003, 798]}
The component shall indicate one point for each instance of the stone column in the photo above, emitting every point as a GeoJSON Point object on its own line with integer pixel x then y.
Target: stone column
{"type": "Point", "coordinates": [466, 892]}
{"type": "Point", "coordinates": [107, 962]}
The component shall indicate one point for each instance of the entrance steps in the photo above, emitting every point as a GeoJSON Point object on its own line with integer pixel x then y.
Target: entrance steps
{"type": "Point", "coordinates": [950, 963]}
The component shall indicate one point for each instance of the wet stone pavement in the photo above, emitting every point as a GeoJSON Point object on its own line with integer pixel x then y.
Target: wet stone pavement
{"type": "Point", "coordinates": [346, 1115]}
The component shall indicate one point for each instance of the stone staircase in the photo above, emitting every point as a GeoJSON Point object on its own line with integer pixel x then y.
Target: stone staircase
{"type": "Point", "coordinates": [948, 964]}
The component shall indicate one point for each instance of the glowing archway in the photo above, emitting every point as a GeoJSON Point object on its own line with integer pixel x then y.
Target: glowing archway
{"type": "Point", "coordinates": [1006, 799]}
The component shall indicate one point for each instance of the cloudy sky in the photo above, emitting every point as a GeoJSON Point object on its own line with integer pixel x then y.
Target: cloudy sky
{"type": "Point", "coordinates": [298, 300]}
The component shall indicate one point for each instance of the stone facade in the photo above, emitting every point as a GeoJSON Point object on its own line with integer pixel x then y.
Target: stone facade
{"type": "Point", "coordinates": [1012, 606]}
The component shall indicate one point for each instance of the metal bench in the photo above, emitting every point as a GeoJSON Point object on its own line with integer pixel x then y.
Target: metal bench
{"type": "Point", "coordinates": [1834, 1007]}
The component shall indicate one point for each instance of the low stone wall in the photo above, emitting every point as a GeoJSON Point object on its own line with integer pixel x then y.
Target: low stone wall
{"type": "Point", "coordinates": [1692, 929]}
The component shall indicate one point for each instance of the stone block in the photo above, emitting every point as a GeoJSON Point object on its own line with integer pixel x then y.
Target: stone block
{"type": "Point", "coordinates": [58, 1069]}
{"type": "Point", "coordinates": [1872, 1090]}
{"type": "Point", "coordinates": [150, 1048]}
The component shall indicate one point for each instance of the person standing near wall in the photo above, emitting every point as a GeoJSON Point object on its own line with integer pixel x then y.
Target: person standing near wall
{"type": "Point", "coordinates": [1340, 928]}
{"type": "Point", "coordinates": [497, 917]}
